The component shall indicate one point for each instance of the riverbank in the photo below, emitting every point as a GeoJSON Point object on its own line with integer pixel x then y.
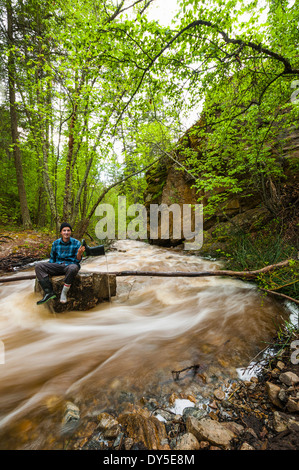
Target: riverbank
{"type": "Point", "coordinates": [19, 248]}
{"type": "Point", "coordinates": [260, 413]}
{"type": "Point", "coordinates": [195, 409]}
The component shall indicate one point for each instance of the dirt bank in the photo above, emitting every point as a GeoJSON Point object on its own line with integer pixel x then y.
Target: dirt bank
{"type": "Point", "coordinates": [21, 247]}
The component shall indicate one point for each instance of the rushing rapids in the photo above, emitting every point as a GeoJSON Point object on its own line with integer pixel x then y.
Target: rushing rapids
{"type": "Point", "coordinates": [132, 344]}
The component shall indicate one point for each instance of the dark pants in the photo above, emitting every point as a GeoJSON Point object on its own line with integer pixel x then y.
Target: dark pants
{"type": "Point", "coordinates": [45, 269]}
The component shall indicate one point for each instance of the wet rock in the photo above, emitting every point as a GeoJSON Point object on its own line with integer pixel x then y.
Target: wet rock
{"type": "Point", "coordinates": [173, 397]}
{"type": "Point", "coordinates": [187, 442]}
{"type": "Point", "coordinates": [151, 404]}
{"type": "Point", "coordinates": [195, 412]}
{"type": "Point", "coordinates": [126, 397]}
{"type": "Point", "coordinates": [71, 413]}
{"type": "Point", "coordinates": [118, 441]}
{"type": "Point", "coordinates": [87, 290]}
{"type": "Point", "coordinates": [219, 394]}
{"type": "Point", "coordinates": [209, 430]}
{"type": "Point", "coordinates": [163, 415]}
{"type": "Point", "coordinates": [83, 435]}
{"type": "Point", "coordinates": [128, 443]}
{"type": "Point", "coordinates": [145, 429]}
{"type": "Point", "coordinates": [289, 378]}
{"type": "Point", "coordinates": [213, 405]}
{"type": "Point", "coordinates": [108, 425]}
{"type": "Point", "coordinates": [53, 403]}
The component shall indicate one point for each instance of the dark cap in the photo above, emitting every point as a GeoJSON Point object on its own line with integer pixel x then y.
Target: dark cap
{"type": "Point", "coordinates": [63, 225]}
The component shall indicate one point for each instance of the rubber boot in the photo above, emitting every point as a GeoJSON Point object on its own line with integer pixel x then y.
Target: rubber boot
{"type": "Point", "coordinates": [93, 250]}
{"type": "Point", "coordinates": [48, 290]}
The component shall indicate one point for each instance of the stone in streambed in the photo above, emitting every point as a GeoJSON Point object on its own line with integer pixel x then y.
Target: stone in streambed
{"type": "Point", "coordinates": [273, 391]}
{"type": "Point", "coordinates": [146, 429]}
{"type": "Point", "coordinates": [207, 429]}
{"type": "Point", "coordinates": [87, 290]}
{"type": "Point", "coordinates": [187, 442]}
{"type": "Point", "coordinates": [108, 425]}
{"type": "Point", "coordinates": [289, 378]}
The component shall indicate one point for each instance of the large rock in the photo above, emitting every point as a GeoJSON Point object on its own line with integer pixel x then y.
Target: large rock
{"type": "Point", "coordinates": [87, 290]}
{"type": "Point", "coordinates": [207, 429]}
{"type": "Point", "coordinates": [145, 429]}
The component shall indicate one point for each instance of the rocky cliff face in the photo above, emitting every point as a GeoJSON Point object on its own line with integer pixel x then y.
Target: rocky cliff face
{"type": "Point", "coordinates": [169, 184]}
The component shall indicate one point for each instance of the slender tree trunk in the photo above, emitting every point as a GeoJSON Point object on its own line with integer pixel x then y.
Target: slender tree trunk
{"type": "Point", "coordinates": [48, 185]}
{"type": "Point", "coordinates": [26, 219]}
{"type": "Point", "coordinates": [67, 202]}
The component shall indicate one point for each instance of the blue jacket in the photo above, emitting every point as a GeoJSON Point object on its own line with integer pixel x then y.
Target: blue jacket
{"type": "Point", "coordinates": [62, 252]}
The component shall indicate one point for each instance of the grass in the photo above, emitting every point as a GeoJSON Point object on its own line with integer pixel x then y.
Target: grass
{"type": "Point", "coordinates": [248, 252]}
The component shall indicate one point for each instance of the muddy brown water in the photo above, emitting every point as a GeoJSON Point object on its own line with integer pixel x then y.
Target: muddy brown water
{"type": "Point", "coordinates": [128, 345]}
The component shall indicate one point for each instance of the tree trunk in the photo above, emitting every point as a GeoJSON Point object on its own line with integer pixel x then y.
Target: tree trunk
{"type": "Point", "coordinates": [67, 202]}
{"type": "Point", "coordinates": [26, 219]}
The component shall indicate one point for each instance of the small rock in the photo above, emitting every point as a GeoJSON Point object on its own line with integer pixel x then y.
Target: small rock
{"type": "Point", "coordinates": [254, 380]}
{"type": "Point", "coordinates": [280, 422]}
{"type": "Point", "coordinates": [163, 415]}
{"type": "Point", "coordinates": [289, 378]}
{"type": "Point", "coordinates": [195, 412]}
{"type": "Point", "coordinates": [282, 395]}
{"type": "Point", "coordinates": [203, 445]}
{"type": "Point", "coordinates": [214, 415]}
{"type": "Point", "coordinates": [72, 413]}
{"type": "Point", "coordinates": [246, 446]}
{"type": "Point", "coordinates": [118, 440]}
{"type": "Point", "coordinates": [83, 435]}
{"type": "Point", "coordinates": [280, 365]}
{"type": "Point", "coordinates": [213, 405]}
{"type": "Point", "coordinates": [292, 406]}
{"type": "Point", "coordinates": [219, 394]}
{"type": "Point", "coordinates": [129, 443]}
{"type": "Point", "coordinates": [275, 372]}
{"type": "Point", "coordinates": [273, 391]}
{"type": "Point", "coordinates": [187, 442]}
{"type": "Point", "coordinates": [173, 397]}
{"type": "Point", "coordinates": [108, 425]}
{"type": "Point", "coordinates": [191, 398]}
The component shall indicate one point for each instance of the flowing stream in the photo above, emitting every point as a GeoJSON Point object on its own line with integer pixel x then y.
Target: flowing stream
{"type": "Point", "coordinates": [130, 345]}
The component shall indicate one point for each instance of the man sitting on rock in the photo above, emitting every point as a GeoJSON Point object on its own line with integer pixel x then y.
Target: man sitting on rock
{"type": "Point", "coordinates": [65, 257]}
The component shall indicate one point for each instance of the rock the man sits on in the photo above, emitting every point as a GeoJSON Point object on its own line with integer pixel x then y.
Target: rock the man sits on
{"type": "Point", "coordinates": [65, 257]}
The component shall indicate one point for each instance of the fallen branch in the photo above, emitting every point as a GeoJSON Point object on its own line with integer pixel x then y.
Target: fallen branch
{"type": "Point", "coordinates": [176, 373]}
{"type": "Point", "coordinates": [281, 295]}
{"type": "Point", "coordinates": [248, 275]}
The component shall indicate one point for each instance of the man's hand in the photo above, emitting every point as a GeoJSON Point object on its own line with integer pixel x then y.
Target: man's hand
{"type": "Point", "coordinates": [80, 252]}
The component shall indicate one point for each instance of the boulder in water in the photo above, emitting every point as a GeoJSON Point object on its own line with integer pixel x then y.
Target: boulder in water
{"type": "Point", "coordinates": [87, 290]}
